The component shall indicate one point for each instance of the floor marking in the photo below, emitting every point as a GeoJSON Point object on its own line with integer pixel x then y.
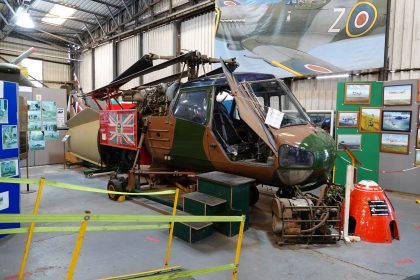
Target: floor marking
{"type": "Point", "coordinates": [403, 261]}
{"type": "Point", "coordinates": [153, 239]}
{"type": "Point", "coordinates": [16, 276]}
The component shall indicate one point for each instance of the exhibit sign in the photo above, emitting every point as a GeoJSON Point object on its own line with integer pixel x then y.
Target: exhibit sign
{"type": "Point", "coordinates": [9, 150]}
{"type": "Point", "coordinates": [301, 38]}
{"type": "Point", "coordinates": [118, 128]}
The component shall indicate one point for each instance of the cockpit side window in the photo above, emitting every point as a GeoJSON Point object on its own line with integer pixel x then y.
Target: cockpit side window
{"type": "Point", "coordinates": [192, 106]}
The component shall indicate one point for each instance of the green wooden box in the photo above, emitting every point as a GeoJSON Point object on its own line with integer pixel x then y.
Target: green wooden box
{"type": "Point", "coordinates": [197, 203]}
{"type": "Point", "coordinates": [193, 232]}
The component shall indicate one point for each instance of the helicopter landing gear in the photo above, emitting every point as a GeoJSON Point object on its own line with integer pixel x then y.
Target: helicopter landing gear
{"type": "Point", "coordinates": [117, 184]}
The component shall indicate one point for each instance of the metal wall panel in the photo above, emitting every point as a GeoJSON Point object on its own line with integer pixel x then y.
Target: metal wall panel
{"type": "Point", "coordinates": [198, 34]}
{"type": "Point", "coordinates": [128, 53]}
{"type": "Point", "coordinates": [104, 65]}
{"type": "Point", "coordinates": [160, 41]}
{"type": "Point", "coordinates": [85, 71]}
{"type": "Point", "coordinates": [404, 39]}
{"type": "Point", "coordinates": [316, 94]}
{"type": "Point", "coordinates": [55, 74]}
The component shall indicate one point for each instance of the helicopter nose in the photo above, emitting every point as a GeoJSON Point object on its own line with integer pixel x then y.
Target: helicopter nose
{"type": "Point", "coordinates": [308, 160]}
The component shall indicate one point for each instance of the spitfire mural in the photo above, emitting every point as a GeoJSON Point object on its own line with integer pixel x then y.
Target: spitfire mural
{"type": "Point", "coordinates": [302, 37]}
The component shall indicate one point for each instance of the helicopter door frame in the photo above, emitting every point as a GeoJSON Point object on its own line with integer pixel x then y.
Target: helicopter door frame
{"type": "Point", "coordinates": [191, 124]}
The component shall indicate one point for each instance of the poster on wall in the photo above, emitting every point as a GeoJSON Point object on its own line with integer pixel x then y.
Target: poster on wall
{"type": "Point", "coordinates": [9, 137]}
{"type": "Point", "coordinates": [34, 116]}
{"type": "Point", "coordinates": [4, 114]}
{"type": "Point", "coordinates": [306, 37]}
{"type": "Point", "coordinates": [9, 168]}
{"type": "Point", "coordinates": [51, 135]}
{"type": "Point", "coordinates": [36, 140]}
{"type": "Point", "coordinates": [49, 111]}
{"type": "Point", "coordinates": [61, 122]}
{"type": "Point", "coordinates": [4, 200]}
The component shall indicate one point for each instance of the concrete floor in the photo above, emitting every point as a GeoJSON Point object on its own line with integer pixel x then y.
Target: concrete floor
{"type": "Point", "coordinates": [115, 253]}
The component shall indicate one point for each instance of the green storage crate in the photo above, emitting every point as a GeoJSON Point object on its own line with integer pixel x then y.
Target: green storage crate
{"type": "Point", "coordinates": [202, 204]}
{"type": "Point", "coordinates": [231, 228]}
{"type": "Point", "coordinates": [192, 232]}
{"type": "Point", "coordinates": [232, 188]}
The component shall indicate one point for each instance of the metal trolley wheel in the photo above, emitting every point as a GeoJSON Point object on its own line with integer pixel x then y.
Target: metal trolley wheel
{"type": "Point", "coordinates": [116, 186]}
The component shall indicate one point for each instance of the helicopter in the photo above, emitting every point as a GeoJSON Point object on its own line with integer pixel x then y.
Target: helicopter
{"type": "Point", "coordinates": [187, 128]}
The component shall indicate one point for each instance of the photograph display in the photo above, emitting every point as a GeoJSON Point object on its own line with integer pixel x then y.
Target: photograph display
{"type": "Point", "coordinates": [351, 141]}
{"type": "Point", "coordinates": [51, 135]}
{"type": "Point", "coordinates": [9, 168]}
{"type": "Point", "coordinates": [397, 95]}
{"type": "Point", "coordinates": [396, 121]}
{"type": "Point", "coordinates": [4, 114]}
{"type": "Point", "coordinates": [348, 119]}
{"type": "Point", "coordinates": [417, 158]}
{"type": "Point", "coordinates": [418, 139]}
{"type": "Point", "coordinates": [395, 143]}
{"type": "Point", "coordinates": [357, 94]}
{"type": "Point", "coordinates": [36, 140]}
{"type": "Point", "coordinates": [370, 119]}
{"type": "Point", "coordinates": [9, 137]}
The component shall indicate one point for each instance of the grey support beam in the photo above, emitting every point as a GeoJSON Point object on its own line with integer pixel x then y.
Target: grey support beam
{"type": "Point", "coordinates": [128, 10]}
{"type": "Point", "coordinates": [91, 36]}
{"type": "Point", "coordinates": [112, 16]}
{"type": "Point", "coordinates": [58, 48]}
{"type": "Point", "coordinates": [105, 3]}
{"type": "Point", "coordinates": [100, 25]}
{"type": "Point", "coordinates": [57, 37]}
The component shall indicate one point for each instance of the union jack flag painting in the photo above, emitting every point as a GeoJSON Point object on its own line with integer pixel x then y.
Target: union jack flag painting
{"type": "Point", "coordinates": [119, 128]}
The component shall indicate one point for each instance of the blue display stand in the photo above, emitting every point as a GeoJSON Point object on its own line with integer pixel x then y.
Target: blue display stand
{"type": "Point", "coordinates": [9, 150]}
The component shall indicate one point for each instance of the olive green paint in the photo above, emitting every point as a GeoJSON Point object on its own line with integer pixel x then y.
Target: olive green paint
{"type": "Point", "coordinates": [188, 146]}
{"type": "Point", "coordinates": [323, 147]}
{"type": "Point", "coordinates": [369, 154]}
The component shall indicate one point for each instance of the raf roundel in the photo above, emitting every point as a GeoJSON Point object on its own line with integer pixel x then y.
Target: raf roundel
{"type": "Point", "coordinates": [318, 69]}
{"type": "Point", "coordinates": [361, 19]}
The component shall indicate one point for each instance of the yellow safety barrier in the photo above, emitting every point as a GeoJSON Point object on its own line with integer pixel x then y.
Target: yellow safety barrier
{"type": "Point", "coordinates": [88, 218]}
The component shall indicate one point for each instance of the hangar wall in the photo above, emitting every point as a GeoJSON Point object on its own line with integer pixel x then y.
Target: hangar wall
{"type": "Point", "coordinates": [128, 52]}
{"type": "Point", "coordinates": [161, 41]}
{"type": "Point", "coordinates": [85, 73]}
{"type": "Point", "coordinates": [55, 68]}
{"type": "Point", "coordinates": [104, 64]}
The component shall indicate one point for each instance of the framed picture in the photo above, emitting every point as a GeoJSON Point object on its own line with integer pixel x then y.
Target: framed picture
{"type": "Point", "coordinates": [357, 93]}
{"type": "Point", "coordinates": [9, 137]}
{"type": "Point", "coordinates": [347, 119]}
{"type": "Point", "coordinates": [418, 139]}
{"type": "Point", "coordinates": [395, 143]}
{"type": "Point", "coordinates": [418, 117]}
{"type": "Point", "coordinates": [417, 158]}
{"type": "Point", "coordinates": [397, 95]}
{"type": "Point", "coordinates": [4, 114]}
{"type": "Point", "coordinates": [370, 119]}
{"type": "Point", "coordinates": [352, 141]}
{"type": "Point", "coordinates": [9, 168]}
{"type": "Point", "coordinates": [396, 121]}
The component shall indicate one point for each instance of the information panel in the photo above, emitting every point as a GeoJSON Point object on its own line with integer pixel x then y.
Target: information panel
{"type": "Point", "coordinates": [9, 150]}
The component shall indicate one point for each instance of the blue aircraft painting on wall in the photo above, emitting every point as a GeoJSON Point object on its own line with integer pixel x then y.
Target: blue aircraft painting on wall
{"type": "Point", "coordinates": [396, 121]}
{"type": "Point", "coordinates": [302, 37]}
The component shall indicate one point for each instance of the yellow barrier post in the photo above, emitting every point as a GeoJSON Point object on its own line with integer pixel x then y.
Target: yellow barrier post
{"type": "Point", "coordinates": [77, 247]}
{"type": "Point", "coordinates": [238, 248]}
{"type": "Point", "coordinates": [31, 230]}
{"type": "Point", "coordinates": [171, 230]}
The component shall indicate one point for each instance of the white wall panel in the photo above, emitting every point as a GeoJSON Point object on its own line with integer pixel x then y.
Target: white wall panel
{"type": "Point", "coordinates": [198, 34]}
{"type": "Point", "coordinates": [55, 72]}
{"type": "Point", "coordinates": [128, 53]}
{"type": "Point", "coordinates": [160, 41]}
{"type": "Point", "coordinates": [404, 39]}
{"type": "Point", "coordinates": [322, 94]}
{"type": "Point", "coordinates": [104, 65]}
{"type": "Point", "coordinates": [85, 71]}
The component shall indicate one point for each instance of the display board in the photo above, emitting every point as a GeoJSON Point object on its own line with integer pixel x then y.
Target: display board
{"type": "Point", "coordinates": [118, 128]}
{"type": "Point", "coordinates": [359, 107]}
{"type": "Point", "coordinates": [401, 109]}
{"type": "Point", "coordinates": [305, 37]}
{"type": "Point", "coordinates": [9, 150]}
